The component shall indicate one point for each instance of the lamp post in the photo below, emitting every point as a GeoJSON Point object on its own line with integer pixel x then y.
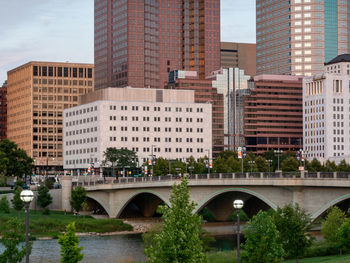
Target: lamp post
{"type": "Point", "coordinates": [251, 165]}
{"type": "Point", "coordinates": [27, 196]}
{"type": "Point", "coordinates": [208, 160]}
{"type": "Point", "coordinates": [238, 204]}
{"type": "Point", "coordinates": [269, 162]}
{"type": "Point", "coordinates": [278, 153]}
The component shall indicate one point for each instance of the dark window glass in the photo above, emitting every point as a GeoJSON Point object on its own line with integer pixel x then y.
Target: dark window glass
{"type": "Point", "coordinates": [89, 73]}
{"type": "Point", "coordinates": [59, 72]}
{"type": "Point", "coordinates": [81, 72]}
{"type": "Point", "coordinates": [35, 71]}
{"type": "Point", "coordinates": [44, 71]}
{"type": "Point", "coordinates": [75, 72]}
{"type": "Point", "coordinates": [66, 72]}
{"type": "Point", "coordinates": [50, 71]}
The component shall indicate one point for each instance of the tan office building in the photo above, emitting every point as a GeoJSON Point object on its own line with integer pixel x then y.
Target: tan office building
{"type": "Point", "coordinates": [37, 94]}
{"type": "Point", "coordinates": [239, 55]}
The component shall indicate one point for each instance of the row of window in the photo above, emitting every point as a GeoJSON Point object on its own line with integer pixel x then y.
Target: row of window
{"type": "Point", "coordinates": [82, 141]}
{"type": "Point", "coordinates": [81, 151]}
{"type": "Point", "coordinates": [81, 121]}
{"type": "Point", "coordinates": [155, 139]}
{"type": "Point", "coordinates": [147, 108]}
{"type": "Point", "coordinates": [81, 111]}
{"type": "Point", "coordinates": [81, 131]}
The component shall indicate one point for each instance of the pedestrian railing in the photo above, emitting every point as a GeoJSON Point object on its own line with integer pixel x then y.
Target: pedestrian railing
{"type": "Point", "coordinates": [93, 180]}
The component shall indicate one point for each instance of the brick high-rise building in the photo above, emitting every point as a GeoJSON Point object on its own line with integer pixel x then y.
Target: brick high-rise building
{"type": "Point", "coordinates": [138, 42]}
{"type": "Point", "coordinates": [297, 36]}
{"type": "Point", "coordinates": [273, 117]}
{"type": "Point", "coordinates": [3, 111]}
{"type": "Point", "coordinates": [37, 94]}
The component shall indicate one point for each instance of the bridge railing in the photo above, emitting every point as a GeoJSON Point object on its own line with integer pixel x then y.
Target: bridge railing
{"type": "Point", "coordinates": [92, 181]}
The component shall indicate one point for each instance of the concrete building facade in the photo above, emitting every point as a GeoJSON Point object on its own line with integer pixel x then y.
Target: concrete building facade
{"type": "Point", "coordinates": [3, 111]}
{"type": "Point", "coordinates": [37, 94]}
{"type": "Point", "coordinates": [273, 114]}
{"type": "Point", "coordinates": [138, 42]}
{"type": "Point", "coordinates": [232, 83]}
{"type": "Point", "coordinates": [239, 55]}
{"type": "Point", "coordinates": [326, 112]}
{"type": "Point", "coordinates": [165, 123]}
{"type": "Point", "coordinates": [296, 37]}
{"type": "Point", "coordinates": [203, 93]}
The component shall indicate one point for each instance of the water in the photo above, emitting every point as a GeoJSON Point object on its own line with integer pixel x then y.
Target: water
{"type": "Point", "coordinates": [108, 249]}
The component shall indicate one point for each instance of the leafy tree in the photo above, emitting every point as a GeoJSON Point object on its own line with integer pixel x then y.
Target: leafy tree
{"type": "Point", "coordinates": [44, 198]}
{"type": "Point", "coordinates": [261, 164]}
{"type": "Point", "coordinates": [220, 165]}
{"type": "Point", "coordinates": [335, 218]}
{"type": "Point", "coordinates": [4, 205]}
{"type": "Point", "coordinates": [12, 237]}
{"type": "Point", "coordinates": [290, 164]}
{"type": "Point", "coordinates": [293, 224]}
{"type": "Point", "coordinates": [78, 198]}
{"type": "Point", "coordinates": [17, 162]}
{"type": "Point", "coordinates": [119, 158]}
{"type": "Point", "coordinates": [49, 182]}
{"type": "Point", "coordinates": [17, 203]}
{"type": "Point", "coordinates": [343, 167]}
{"type": "Point", "coordinates": [70, 252]}
{"type": "Point", "coordinates": [330, 166]}
{"type": "Point", "coordinates": [315, 166]}
{"type": "Point", "coordinates": [343, 236]}
{"type": "Point", "coordinates": [179, 240]}
{"type": "Point", "coordinates": [262, 240]}
{"type": "Point", "coordinates": [161, 167]}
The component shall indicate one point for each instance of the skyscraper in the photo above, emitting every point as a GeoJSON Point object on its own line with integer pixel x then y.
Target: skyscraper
{"type": "Point", "coordinates": [137, 42]}
{"type": "Point", "coordinates": [296, 37]}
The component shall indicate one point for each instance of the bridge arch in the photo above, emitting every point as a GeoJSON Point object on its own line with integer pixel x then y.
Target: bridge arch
{"type": "Point", "coordinates": [100, 202]}
{"type": "Point", "coordinates": [324, 208]}
{"type": "Point", "coordinates": [226, 211]}
{"type": "Point", "coordinates": [135, 194]}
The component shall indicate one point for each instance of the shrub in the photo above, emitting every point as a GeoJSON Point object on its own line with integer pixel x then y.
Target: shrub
{"type": "Point", "coordinates": [4, 205]}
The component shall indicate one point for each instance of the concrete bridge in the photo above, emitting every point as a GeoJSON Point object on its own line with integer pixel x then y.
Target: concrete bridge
{"type": "Point", "coordinates": [315, 192]}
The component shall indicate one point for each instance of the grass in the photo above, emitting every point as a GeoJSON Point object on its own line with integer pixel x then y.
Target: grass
{"type": "Point", "coordinates": [55, 223]}
{"type": "Point", "coordinates": [327, 259]}
{"type": "Point", "coordinates": [222, 256]}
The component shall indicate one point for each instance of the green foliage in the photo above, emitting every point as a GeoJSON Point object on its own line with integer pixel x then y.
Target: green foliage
{"type": "Point", "coordinates": [4, 205]}
{"type": "Point", "coordinates": [321, 248]}
{"type": "Point", "coordinates": [11, 239]}
{"type": "Point", "coordinates": [14, 161]}
{"type": "Point", "coordinates": [119, 158]}
{"type": "Point", "coordinates": [290, 164]}
{"type": "Point", "coordinates": [343, 236]}
{"type": "Point", "coordinates": [70, 252]}
{"type": "Point", "coordinates": [262, 243]}
{"type": "Point", "coordinates": [343, 167]}
{"type": "Point", "coordinates": [207, 215]}
{"type": "Point", "coordinates": [314, 166]}
{"type": "Point", "coordinates": [179, 240]}
{"type": "Point", "coordinates": [243, 216]}
{"type": "Point", "coordinates": [161, 167]}
{"type": "Point", "coordinates": [19, 183]}
{"type": "Point", "coordinates": [44, 198]}
{"type": "Point", "coordinates": [222, 256]}
{"type": "Point", "coordinates": [335, 218]}
{"type": "Point", "coordinates": [16, 201]}
{"type": "Point", "coordinates": [49, 182]}
{"type": "Point", "coordinates": [293, 224]}
{"type": "Point", "coordinates": [78, 198]}
{"type": "Point", "coordinates": [261, 164]}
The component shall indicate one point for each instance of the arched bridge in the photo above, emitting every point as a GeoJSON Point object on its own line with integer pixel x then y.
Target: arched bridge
{"type": "Point", "coordinates": [315, 192]}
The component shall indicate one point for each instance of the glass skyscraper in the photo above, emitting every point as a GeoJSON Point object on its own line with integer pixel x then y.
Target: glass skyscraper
{"type": "Point", "coordinates": [298, 36]}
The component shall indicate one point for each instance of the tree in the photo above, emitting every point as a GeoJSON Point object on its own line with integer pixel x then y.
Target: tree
{"type": "Point", "coordinates": [70, 252]}
{"type": "Point", "coordinates": [44, 198]}
{"type": "Point", "coordinates": [179, 239]}
{"type": "Point", "coordinates": [262, 240]}
{"type": "Point", "coordinates": [161, 167]}
{"type": "Point", "coordinates": [343, 167]}
{"type": "Point", "coordinates": [335, 218]}
{"type": "Point", "coordinates": [119, 158]}
{"type": "Point", "coordinates": [78, 198]}
{"type": "Point", "coordinates": [17, 162]}
{"type": "Point", "coordinates": [290, 164]}
{"type": "Point", "coordinates": [343, 236]}
{"type": "Point", "coordinates": [314, 166]}
{"type": "Point", "coordinates": [4, 205]}
{"type": "Point", "coordinates": [293, 224]}
{"type": "Point", "coordinates": [12, 237]}
{"type": "Point", "coordinates": [261, 164]}
{"type": "Point", "coordinates": [16, 201]}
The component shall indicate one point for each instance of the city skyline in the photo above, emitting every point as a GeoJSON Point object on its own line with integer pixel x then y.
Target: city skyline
{"type": "Point", "coordinates": [52, 31]}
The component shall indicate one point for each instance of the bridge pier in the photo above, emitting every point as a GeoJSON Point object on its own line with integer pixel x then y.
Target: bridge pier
{"type": "Point", "coordinates": [66, 182]}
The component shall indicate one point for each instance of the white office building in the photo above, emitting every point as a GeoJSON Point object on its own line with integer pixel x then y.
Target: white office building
{"type": "Point", "coordinates": [326, 112]}
{"type": "Point", "coordinates": [167, 123]}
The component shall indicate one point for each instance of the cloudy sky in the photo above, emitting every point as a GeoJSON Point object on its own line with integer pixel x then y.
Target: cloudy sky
{"type": "Point", "coordinates": [62, 30]}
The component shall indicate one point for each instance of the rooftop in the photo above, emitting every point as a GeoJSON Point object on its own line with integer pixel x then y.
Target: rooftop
{"type": "Point", "coordinates": [338, 59]}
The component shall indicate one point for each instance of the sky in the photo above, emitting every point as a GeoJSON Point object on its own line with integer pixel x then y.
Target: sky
{"type": "Point", "coordinates": [63, 30]}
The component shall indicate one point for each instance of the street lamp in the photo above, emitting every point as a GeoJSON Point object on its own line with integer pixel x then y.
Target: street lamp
{"type": "Point", "coordinates": [251, 165]}
{"type": "Point", "coordinates": [278, 153]}
{"type": "Point", "coordinates": [238, 204]}
{"type": "Point", "coordinates": [208, 160]}
{"type": "Point", "coordinates": [27, 196]}
{"type": "Point", "coordinates": [269, 162]}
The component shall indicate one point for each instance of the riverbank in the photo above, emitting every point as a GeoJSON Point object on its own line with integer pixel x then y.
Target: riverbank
{"type": "Point", "coordinates": [52, 225]}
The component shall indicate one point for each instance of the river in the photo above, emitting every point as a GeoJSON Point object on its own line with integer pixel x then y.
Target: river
{"type": "Point", "coordinates": [107, 249]}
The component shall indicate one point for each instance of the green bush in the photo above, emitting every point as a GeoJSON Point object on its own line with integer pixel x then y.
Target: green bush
{"type": "Point", "coordinates": [4, 205]}
{"type": "Point", "coordinates": [207, 215]}
{"type": "Point", "coordinates": [321, 248]}
{"type": "Point", "coordinates": [243, 217]}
